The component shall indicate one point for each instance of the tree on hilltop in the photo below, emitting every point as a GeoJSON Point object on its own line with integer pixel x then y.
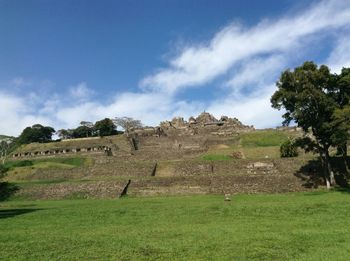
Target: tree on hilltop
{"type": "Point", "coordinates": [86, 127]}
{"type": "Point", "coordinates": [6, 146]}
{"type": "Point", "coordinates": [36, 133]}
{"type": "Point", "coordinates": [105, 127]}
{"type": "Point", "coordinates": [127, 123]}
{"type": "Point", "coordinates": [312, 97]}
{"type": "Point", "coordinates": [65, 134]}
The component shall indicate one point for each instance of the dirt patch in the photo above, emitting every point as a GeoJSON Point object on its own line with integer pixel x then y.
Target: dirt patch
{"type": "Point", "coordinates": [219, 146]}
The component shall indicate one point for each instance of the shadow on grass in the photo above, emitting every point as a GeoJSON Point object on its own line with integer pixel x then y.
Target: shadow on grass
{"type": "Point", "coordinates": [312, 174]}
{"type": "Point", "coordinates": [8, 213]}
{"type": "Point", "coordinates": [7, 190]}
{"type": "Point", "coordinates": [342, 190]}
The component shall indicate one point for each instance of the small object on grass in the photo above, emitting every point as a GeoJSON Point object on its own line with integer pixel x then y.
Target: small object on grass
{"type": "Point", "coordinates": [227, 197]}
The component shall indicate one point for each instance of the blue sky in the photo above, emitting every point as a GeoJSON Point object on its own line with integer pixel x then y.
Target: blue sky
{"type": "Point", "coordinates": [67, 61]}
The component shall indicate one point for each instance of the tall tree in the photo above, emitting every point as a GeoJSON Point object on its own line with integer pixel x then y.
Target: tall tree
{"type": "Point", "coordinates": [88, 127]}
{"type": "Point", "coordinates": [65, 134]}
{"type": "Point", "coordinates": [127, 123]}
{"type": "Point", "coordinates": [341, 93]}
{"type": "Point", "coordinates": [306, 96]}
{"type": "Point", "coordinates": [5, 147]}
{"type": "Point", "coordinates": [36, 133]}
{"type": "Point", "coordinates": [105, 127]}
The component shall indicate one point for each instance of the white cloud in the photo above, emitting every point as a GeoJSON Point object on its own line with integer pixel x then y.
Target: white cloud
{"type": "Point", "coordinates": [197, 65]}
{"type": "Point", "coordinates": [256, 72]}
{"type": "Point", "coordinates": [19, 82]}
{"type": "Point", "coordinates": [15, 115]}
{"type": "Point", "coordinates": [249, 60]}
{"type": "Point", "coordinates": [81, 91]}
{"type": "Point", "coordinates": [253, 109]}
{"type": "Point", "coordinates": [340, 56]}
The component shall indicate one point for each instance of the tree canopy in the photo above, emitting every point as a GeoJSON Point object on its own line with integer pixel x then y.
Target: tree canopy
{"type": "Point", "coordinates": [127, 123]}
{"type": "Point", "coordinates": [318, 102]}
{"type": "Point", "coordinates": [105, 127]}
{"type": "Point", "coordinates": [36, 133]}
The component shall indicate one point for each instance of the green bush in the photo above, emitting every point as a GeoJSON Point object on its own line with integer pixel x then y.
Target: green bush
{"type": "Point", "coordinates": [3, 170]}
{"type": "Point", "coordinates": [288, 149]}
{"type": "Point", "coordinates": [19, 163]}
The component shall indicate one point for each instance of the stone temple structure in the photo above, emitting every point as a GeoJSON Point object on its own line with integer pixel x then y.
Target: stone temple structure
{"type": "Point", "coordinates": [170, 140]}
{"type": "Point", "coordinates": [204, 124]}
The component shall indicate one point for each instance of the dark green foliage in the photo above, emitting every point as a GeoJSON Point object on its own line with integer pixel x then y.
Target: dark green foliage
{"type": "Point", "coordinates": [105, 127]}
{"type": "Point", "coordinates": [64, 134]}
{"type": "Point", "coordinates": [288, 149]}
{"type": "Point", "coordinates": [82, 131]}
{"type": "Point", "coordinates": [3, 170]}
{"type": "Point", "coordinates": [7, 190]}
{"type": "Point", "coordinates": [36, 133]}
{"type": "Point", "coordinates": [20, 163]}
{"type": "Point", "coordinates": [311, 97]}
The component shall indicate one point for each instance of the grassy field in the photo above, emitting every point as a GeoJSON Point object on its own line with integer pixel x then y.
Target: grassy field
{"type": "Point", "coordinates": [252, 145]}
{"type": "Point", "coordinates": [22, 169]}
{"type": "Point", "coordinates": [304, 226]}
{"type": "Point", "coordinates": [49, 162]}
{"type": "Point", "coordinates": [264, 138]}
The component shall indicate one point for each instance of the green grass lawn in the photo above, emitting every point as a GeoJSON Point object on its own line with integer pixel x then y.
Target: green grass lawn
{"type": "Point", "coordinates": [264, 138]}
{"type": "Point", "coordinates": [63, 162]}
{"type": "Point", "coordinates": [216, 157]}
{"type": "Point", "coordinates": [297, 226]}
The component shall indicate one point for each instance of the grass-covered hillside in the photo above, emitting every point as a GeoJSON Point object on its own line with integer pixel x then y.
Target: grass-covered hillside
{"type": "Point", "coordinates": [74, 143]}
{"type": "Point", "coordinates": [4, 137]}
{"type": "Point", "coordinates": [245, 163]}
{"type": "Point", "coordinates": [252, 145]}
{"type": "Point", "coordinates": [304, 226]}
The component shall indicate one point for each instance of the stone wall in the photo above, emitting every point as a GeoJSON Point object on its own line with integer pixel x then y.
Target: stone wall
{"type": "Point", "coordinates": [63, 151]}
{"type": "Point", "coordinates": [204, 124]}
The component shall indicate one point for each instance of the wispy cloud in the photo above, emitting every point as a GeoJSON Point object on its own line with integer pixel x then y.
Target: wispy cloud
{"type": "Point", "coordinates": [340, 56]}
{"type": "Point", "coordinates": [244, 61]}
{"type": "Point", "coordinates": [197, 65]}
{"type": "Point", "coordinates": [81, 91]}
{"type": "Point", "coordinates": [19, 82]}
{"type": "Point", "coordinates": [16, 114]}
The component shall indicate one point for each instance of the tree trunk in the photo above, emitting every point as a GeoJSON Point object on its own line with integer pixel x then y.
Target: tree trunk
{"type": "Point", "coordinates": [326, 165]}
{"type": "Point", "coordinates": [329, 169]}
{"type": "Point", "coordinates": [345, 156]}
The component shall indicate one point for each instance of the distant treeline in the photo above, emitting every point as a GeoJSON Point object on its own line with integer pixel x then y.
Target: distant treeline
{"type": "Point", "coordinates": [101, 128]}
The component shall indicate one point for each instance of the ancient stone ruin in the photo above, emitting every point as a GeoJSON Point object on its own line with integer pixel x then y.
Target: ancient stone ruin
{"type": "Point", "coordinates": [171, 138]}
{"type": "Point", "coordinates": [62, 151]}
{"type": "Point", "coordinates": [204, 124]}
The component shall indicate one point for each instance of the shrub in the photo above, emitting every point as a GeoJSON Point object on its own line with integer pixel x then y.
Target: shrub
{"type": "Point", "coordinates": [3, 170]}
{"type": "Point", "coordinates": [288, 149]}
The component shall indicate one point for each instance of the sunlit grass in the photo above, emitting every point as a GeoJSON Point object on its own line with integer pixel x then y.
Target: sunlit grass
{"type": "Point", "coordinates": [265, 138]}
{"type": "Point", "coordinates": [304, 226]}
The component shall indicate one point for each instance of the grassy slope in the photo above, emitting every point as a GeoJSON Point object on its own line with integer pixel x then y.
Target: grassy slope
{"type": "Point", "coordinates": [4, 137]}
{"type": "Point", "coordinates": [253, 145]}
{"type": "Point", "coordinates": [20, 169]}
{"type": "Point", "coordinates": [71, 161]}
{"type": "Point", "coordinates": [74, 143]}
{"type": "Point", "coordinates": [304, 226]}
